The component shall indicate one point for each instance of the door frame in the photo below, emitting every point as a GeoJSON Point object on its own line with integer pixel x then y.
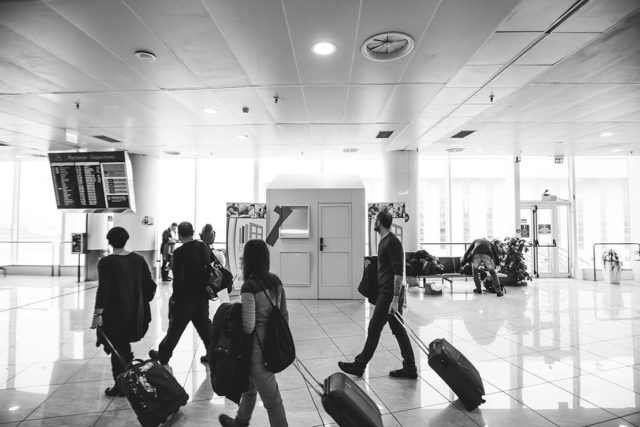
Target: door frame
{"type": "Point", "coordinates": [534, 206]}
{"type": "Point", "coordinates": [321, 247]}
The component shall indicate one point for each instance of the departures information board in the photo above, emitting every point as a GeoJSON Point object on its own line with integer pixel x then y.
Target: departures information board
{"type": "Point", "coordinates": [92, 181]}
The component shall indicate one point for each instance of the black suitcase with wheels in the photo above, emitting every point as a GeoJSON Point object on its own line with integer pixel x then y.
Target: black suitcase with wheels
{"type": "Point", "coordinates": [154, 394]}
{"type": "Point", "coordinates": [344, 400]}
{"type": "Point", "coordinates": [453, 367]}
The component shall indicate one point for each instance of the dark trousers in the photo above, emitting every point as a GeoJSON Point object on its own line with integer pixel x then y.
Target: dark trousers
{"type": "Point", "coordinates": [166, 266]}
{"type": "Point", "coordinates": [123, 347]}
{"type": "Point", "coordinates": [379, 318]}
{"type": "Point", "coordinates": [180, 314]}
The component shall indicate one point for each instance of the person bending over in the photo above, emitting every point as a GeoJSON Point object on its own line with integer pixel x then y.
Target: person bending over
{"type": "Point", "coordinates": [481, 251]}
{"type": "Point", "coordinates": [123, 280]}
{"type": "Point", "coordinates": [390, 299]}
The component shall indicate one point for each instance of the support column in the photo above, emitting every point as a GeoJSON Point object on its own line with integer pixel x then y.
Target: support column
{"type": "Point", "coordinates": [401, 185]}
{"type": "Point", "coordinates": [573, 220]}
{"type": "Point", "coordinates": [516, 195]}
{"type": "Point", "coordinates": [141, 225]}
{"type": "Point", "coordinates": [634, 202]}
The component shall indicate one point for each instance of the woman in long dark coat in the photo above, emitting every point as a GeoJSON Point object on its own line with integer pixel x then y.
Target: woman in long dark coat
{"type": "Point", "coordinates": [122, 309]}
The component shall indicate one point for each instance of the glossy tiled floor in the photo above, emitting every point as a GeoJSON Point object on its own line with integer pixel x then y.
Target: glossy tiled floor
{"type": "Point", "coordinates": [558, 352]}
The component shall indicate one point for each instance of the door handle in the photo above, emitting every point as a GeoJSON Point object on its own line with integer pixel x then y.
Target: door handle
{"type": "Point", "coordinates": [322, 245]}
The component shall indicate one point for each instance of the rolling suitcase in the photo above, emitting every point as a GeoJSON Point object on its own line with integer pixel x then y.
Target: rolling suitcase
{"type": "Point", "coordinates": [344, 400]}
{"type": "Point", "coordinates": [453, 367]}
{"type": "Point", "coordinates": [154, 394]}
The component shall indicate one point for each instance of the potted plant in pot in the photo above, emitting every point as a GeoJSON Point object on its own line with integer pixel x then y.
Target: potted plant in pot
{"type": "Point", "coordinates": [611, 266]}
{"type": "Point", "coordinates": [511, 251]}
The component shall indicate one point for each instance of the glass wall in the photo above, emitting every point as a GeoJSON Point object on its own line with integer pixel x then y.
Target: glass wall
{"type": "Point", "coordinates": [538, 174]}
{"type": "Point", "coordinates": [434, 203]}
{"type": "Point", "coordinates": [602, 207]}
{"type": "Point", "coordinates": [6, 210]}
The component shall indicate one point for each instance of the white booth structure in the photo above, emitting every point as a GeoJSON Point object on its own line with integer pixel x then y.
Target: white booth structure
{"type": "Point", "coordinates": [321, 244]}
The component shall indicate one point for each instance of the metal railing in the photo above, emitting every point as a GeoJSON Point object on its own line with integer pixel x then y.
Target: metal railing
{"type": "Point", "coordinates": [609, 244]}
{"type": "Point", "coordinates": [37, 242]}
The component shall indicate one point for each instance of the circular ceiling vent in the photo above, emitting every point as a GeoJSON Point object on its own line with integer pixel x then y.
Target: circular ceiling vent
{"type": "Point", "coordinates": [387, 46]}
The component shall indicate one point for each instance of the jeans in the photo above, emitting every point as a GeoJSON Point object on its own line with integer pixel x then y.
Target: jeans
{"type": "Point", "coordinates": [489, 266]}
{"type": "Point", "coordinates": [379, 318]}
{"type": "Point", "coordinates": [180, 314]}
{"type": "Point", "coordinates": [263, 382]}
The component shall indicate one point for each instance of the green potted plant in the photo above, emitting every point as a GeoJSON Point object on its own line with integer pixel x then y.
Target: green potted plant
{"type": "Point", "coordinates": [511, 251]}
{"type": "Point", "coordinates": [611, 266]}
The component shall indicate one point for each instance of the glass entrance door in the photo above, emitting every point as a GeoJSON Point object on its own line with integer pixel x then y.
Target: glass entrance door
{"type": "Point", "coordinates": [546, 227]}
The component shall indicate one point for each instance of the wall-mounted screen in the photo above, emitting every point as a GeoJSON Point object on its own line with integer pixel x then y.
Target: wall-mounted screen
{"type": "Point", "coordinates": [93, 181]}
{"type": "Point", "coordinates": [296, 226]}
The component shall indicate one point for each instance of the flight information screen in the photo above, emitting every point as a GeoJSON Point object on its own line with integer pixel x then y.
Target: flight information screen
{"type": "Point", "coordinates": [92, 181]}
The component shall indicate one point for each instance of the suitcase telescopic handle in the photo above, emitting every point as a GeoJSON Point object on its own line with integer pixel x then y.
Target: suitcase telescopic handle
{"type": "Point", "coordinates": [413, 334]}
{"type": "Point", "coordinates": [316, 385]}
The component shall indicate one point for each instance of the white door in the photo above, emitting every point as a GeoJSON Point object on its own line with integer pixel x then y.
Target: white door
{"type": "Point", "coordinates": [334, 272]}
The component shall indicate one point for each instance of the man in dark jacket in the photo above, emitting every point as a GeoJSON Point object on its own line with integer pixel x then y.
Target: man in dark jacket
{"type": "Point", "coordinates": [390, 299]}
{"type": "Point", "coordinates": [169, 239]}
{"type": "Point", "coordinates": [481, 251]}
{"type": "Point", "coordinates": [189, 301]}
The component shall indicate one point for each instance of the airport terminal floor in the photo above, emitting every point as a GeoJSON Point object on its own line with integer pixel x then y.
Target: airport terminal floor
{"type": "Point", "coordinates": [557, 352]}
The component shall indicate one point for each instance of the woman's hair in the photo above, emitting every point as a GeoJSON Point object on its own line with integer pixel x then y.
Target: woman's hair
{"type": "Point", "coordinates": [255, 260]}
{"type": "Point", "coordinates": [117, 237]}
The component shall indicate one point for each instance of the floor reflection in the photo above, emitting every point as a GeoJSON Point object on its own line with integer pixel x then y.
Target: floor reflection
{"type": "Point", "coordinates": [558, 352]}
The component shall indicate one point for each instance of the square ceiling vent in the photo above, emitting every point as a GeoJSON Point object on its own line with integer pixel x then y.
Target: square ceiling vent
{"type": "Point", "coordinates": [463, 134]}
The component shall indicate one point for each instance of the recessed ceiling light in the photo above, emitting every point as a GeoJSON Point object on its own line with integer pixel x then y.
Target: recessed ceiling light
{"type": "Point", "coordinates": [243, 136]}
{"type": "Point", "coordinates": [210, 111]}
{"type": "Point", "coordinates": [616, 150]}
{"type": "Point", "coordinates": [606, 134]}
{"type": "Point", "coordinates": [14, 408]}
{"type": "Point", "coordinates": [145, 55]}
{"type": "Point", "coordinates": [324, 48]}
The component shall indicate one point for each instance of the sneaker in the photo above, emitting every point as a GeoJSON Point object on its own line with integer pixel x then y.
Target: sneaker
{"type": "Point", "coordinates": [204, 359]}
{"type": "Point", "coordinates": [477, 291]}
{"type": "Point", "coordinates": [499, 294]}
{"type": "Point", "coordinates": [113, 391]}
{"type": "Point", "coordinates": [226, 421]}
{"type": "Point", "coordinates": [351, 368]}
{"type": "Point", "coordinates": [404, 373]}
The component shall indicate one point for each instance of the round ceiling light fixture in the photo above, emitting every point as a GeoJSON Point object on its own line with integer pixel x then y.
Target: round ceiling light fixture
{"type": "Point", "coordinates": [209, 110]}
{"type": "Point", "coordinates": [145, 55]}
{"type": "Point", "coordinates": [606, 134]}
{"type": "Point", "coordinates": [387, 46]}
{"type": "Point", "coordinates": [323, 48]}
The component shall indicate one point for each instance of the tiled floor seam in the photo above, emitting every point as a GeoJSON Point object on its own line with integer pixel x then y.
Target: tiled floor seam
{"type": "Point", "coordinates": [48, 299]}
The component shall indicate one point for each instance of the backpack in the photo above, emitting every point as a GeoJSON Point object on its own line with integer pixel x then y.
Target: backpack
{"type": "Point", "coordinates": [279, 350]}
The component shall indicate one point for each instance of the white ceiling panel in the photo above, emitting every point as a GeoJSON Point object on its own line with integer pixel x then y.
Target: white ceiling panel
{"type": "Point", "coordinates": [290, 108]}
{"type": "Point", "coordinates": [237, 98]}
{"type": "Point", "coordinates": [502, 47]}
{"type": "Point", "coordinates": [317, 21]}
{"type": "Point", "coordinates": [469, 110]}
{"type": "Point", "coordinates": [555, 47]}
{"type": "Point", "coordinates": [623, 71]}
{"type": "Point", "coordinates": [366, 103]}
{"type": "Point", "coordinates": [458, 29]}
{"type": "Point", "coordinates": [43, 26]}
{"type": "Point", "coordinates": [15, 79]}
{"type": "Point", "coordinates": [484, 95]}
{"type": "Point", "coordinates": [326, 104]}
{"type": "Point", "coordinates": [257, 33]}
{"type": "Point", "coordinates": [599, 15]}
{"type": "Point", "coordinates": [183, 26]}
{"type": "Point", "coordinates": [407, 101]}
{"type": "Point", "coordinates": [535, 15]}
{"type": "Point", "coordinates": [517, 75]}
{"type": "Point", "coordinates": [198, 100]}
{"type": "Point", "coordinates": [452, 96]}
{"type": "Point", "coordinates": [378, 16]}
{"type": "Point", "coordinates": [473, 75]}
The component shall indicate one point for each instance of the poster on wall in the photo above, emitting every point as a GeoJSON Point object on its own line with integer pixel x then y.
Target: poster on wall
{"type": "Point", "coordinates": [245, 221]}
{"type": "Point", "coordinates": [398, 225]}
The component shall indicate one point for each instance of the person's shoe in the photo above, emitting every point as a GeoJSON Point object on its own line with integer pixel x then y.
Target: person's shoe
{"type": "Point", "coordinates": [226, 421]}
{"type": "Point", "coordinates": [154, 355]}
{"type": "Point", "coordinates": [404, 373]}
{"type": "Point", "coordinates": [351, 368]}
{"type": "Point", "coordinates": [477, 291]}
{"type": "Point", "coordinates": [204, 359]}
{"type": "Point", "coordinates": [499, 293]}
{"type": "Point", "coordinates": [113, 391]}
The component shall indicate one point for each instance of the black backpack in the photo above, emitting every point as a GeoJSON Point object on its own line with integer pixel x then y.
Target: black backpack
{"type": "Point", "coordinates": [279, 350]}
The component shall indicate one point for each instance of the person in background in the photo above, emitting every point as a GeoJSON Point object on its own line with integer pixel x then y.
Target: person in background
{"type": "Point", "coordinates": [122, 310]}
{"type": "Point", "coordinates": [169, 239]}
{"type": "Point", "coordinates": [189, 301]}
{"type": "Point", "coordinates": [256, 310]}
{"type": "Point", "coordinates": [390, 299]}
{"type": "Point", "coordinates": [481, 251]}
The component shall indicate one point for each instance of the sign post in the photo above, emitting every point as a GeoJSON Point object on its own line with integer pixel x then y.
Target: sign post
{"type": "Point", "coordinates": [79, 246]}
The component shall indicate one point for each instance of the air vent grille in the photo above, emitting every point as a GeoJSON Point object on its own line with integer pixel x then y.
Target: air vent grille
{"type": "Point", "coordinates": [384, 134]}
{"type": "Point", "coordinates": [387, 46]}
{"type": "Point", "coordinates": [463, 133]}
{"type": "Point", "coordinates": [107, 139]}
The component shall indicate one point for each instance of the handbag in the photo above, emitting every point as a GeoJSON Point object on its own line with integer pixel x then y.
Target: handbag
{"type": "Point", "coordinates": [218, 277]}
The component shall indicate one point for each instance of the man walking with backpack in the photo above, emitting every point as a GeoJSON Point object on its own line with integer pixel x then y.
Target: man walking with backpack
{"type": "Point", "coordinates": [189, 301]}
{"type": "Point", "coordinates": [390, 300]}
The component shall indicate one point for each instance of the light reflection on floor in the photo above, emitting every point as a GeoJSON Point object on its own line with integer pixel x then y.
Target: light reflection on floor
{"type": "Point", "coordinates": [558, 352]}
